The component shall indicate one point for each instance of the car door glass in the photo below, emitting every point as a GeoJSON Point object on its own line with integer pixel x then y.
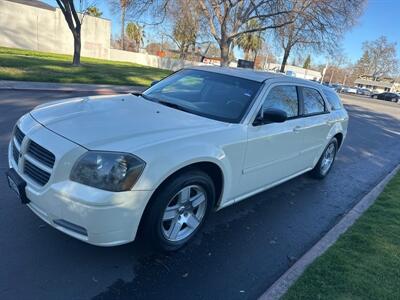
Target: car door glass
{"type": "Point", "coordinates": [313, 101]}
{"type": "Point", "coordinates": [283, 97]}
{"type": "Point", "coordinates": [333, 100]}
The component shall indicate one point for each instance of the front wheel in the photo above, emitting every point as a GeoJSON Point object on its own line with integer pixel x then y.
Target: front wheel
{"type": "Point", "coordinates": [326, 160]}
{"type": "Point", "coordinates": [178, 210]}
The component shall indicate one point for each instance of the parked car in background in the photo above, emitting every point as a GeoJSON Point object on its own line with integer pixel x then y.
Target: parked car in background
{"type": "Point", "coordinates": [339, 88]}
{"type": "Point", "coordinates": [393, 97]}
{"type": "Point", "coordinates": [153, 165]}
{"type": "Point", "coordinates": [364, 92]}
{"type": "Point", "coordinates": [349, 90]}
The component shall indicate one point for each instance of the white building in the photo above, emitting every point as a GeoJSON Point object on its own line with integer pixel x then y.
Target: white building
{"type": "Point", "coordinates": [379, 85]}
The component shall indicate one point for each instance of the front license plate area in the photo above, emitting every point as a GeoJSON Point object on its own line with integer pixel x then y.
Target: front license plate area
{"type": "Point", "coordinates": [17, 184]}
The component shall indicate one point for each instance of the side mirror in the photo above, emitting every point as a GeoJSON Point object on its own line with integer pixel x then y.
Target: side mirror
{"type": "Point", "coordinates": [271, 115]}
{"type": "Point", "coordinates": [154, 82]}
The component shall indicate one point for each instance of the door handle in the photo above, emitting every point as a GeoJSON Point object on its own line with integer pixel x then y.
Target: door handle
{"type": "Point", "coordinates": [297, 129]}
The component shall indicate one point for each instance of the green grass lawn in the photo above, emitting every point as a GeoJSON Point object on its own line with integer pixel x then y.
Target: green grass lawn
{"type": "Point", "coordinates": [365, 262]}
{"type": "Point", "coordinates": [16, 64]}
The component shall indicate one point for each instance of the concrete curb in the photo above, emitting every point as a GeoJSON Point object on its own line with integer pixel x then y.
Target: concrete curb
{"type": "Point", "coordinates": [280, 287]}
{"type": "Point", "coordinates": [102, 89]}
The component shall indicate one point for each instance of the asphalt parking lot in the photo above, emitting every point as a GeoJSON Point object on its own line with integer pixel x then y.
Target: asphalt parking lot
{"type": "Point", "coordinates": [242, 250]}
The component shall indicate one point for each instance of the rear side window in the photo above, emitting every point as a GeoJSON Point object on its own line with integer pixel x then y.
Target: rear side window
{"type": "Point", "coordinates": [283, 97]}
{"type": "Point", "coordinates": [313, 101]}
{"type": "Point", "coordinates": [333, 99]}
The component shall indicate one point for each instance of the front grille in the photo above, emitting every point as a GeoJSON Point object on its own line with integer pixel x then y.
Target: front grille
{"type": "Point", "coordinates": [19, 135]}
{"type": "Point", "coordinates": [15, 153]}
{"type": "Point", "coordinates": [34, 158]}
{"type": "Point", "coordinates": [41, 154]}
{"type": "Point", "coordinates": [38, 175]}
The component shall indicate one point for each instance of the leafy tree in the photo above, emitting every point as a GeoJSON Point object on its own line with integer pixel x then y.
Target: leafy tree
{"type": "Point", "coordinates": [135, 33]}
{"type": "Point", "coordinates": [307, 62]}
{"type": "Point", "coordinates": [185, 17]}
{"type": "Point", "coordinates": [250, 42]}
{"type": "Point", "coordinates": [129, 10]}
{"type": "Point", "coordinates": [94, 11]}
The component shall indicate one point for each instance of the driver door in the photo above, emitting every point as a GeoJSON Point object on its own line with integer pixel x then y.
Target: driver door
{"type": "Point", "coordinates": [274, 150]}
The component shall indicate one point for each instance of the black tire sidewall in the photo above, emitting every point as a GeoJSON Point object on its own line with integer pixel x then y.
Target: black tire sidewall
{"type": "Point", "coordinates": [317, 172]}
{"type": "Point", "coordinates": [159, 201]}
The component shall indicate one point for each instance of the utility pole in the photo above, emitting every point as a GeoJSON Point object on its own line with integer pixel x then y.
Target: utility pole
{"type": "Point", "coordinates": [323, 72]}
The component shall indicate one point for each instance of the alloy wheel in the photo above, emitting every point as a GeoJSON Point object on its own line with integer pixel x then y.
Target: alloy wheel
{"type": "Point", "coordinates": [184, 213]}
{"type": "Point", "coordinates": [328, 158]}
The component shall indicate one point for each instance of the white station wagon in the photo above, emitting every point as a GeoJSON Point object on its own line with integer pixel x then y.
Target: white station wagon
{"type": "Point", "coordinates": [107, 169]}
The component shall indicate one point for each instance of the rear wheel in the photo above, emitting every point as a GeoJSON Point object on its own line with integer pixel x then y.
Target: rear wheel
{"type": "Point", "coordinates": [178, 210]}
{"type": "Point", "coordinates": [326, 160]}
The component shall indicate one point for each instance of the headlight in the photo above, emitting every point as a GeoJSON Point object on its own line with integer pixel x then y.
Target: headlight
{"type": "Point", "coordinates": [109, 171]}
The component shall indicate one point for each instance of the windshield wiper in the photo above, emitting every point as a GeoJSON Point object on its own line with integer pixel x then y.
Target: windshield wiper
{"type": "Point", "coordinates": [163, 102]}
{"type": "Point", "coordinates": [174, 105]}
{"type": "Point", "coordinates": [145, 97]}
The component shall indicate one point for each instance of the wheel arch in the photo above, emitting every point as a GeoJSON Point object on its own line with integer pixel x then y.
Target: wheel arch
{"type": "Point", "coordinates": [211, 168]}
{"type": "Point", "coordinates": [339, 137]}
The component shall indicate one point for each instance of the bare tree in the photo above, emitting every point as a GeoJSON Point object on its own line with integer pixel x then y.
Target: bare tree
{"type": "Point", "coordinates": [74, 23]}
{"type": "Point", "coordinates": [318, 24]}
{"type": "Point", "coordinates": [378, 59]}
{"type": "Point", "coordinates": [227, 19]}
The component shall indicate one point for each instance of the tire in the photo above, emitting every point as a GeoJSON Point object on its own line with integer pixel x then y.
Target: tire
{"type": "Point", "coordinates": [167, 212]}
{"type": "Point", "coordinates": [321, 170]}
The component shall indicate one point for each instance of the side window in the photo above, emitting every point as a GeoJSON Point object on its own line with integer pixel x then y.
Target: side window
{"type": "Point", "coordinates": [283, 97]}
{"type": "Point", "coordinates": [333, 99]}
{"type": "Point", "coordinates": [313, 101]}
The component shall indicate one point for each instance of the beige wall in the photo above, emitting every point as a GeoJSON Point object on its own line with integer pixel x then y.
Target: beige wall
{"type": "Point", "coordinates": [151, 60]}
{"type": "Point", "coordinates": [33, 28]}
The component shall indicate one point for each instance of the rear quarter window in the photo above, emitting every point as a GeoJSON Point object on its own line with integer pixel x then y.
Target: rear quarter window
{"type": "Point", "coordinates": [333, 99]}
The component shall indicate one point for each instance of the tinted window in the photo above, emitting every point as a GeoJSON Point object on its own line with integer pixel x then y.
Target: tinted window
{"type": "Point", "coordinates": [333, 99]}
{"type": "Point", "coordinates": [283, 97]}
{"type": "Point", "coordinates": [313, 101]}
{"type": "Point", "coordinates": [208, 94]}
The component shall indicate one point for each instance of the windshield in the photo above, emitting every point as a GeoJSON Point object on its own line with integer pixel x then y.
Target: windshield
{"type": "Point", "coordinates": [208, 94]}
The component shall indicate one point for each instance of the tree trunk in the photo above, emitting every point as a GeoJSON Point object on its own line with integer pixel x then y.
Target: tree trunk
{"type": "Point", "coordinates": [247, 54]}
{"type": "Point", "coordinates": [123, 11]}
{"type": "Point", "coordinates": [77, 48]}
{"type": "Point", "coordinates": [184, 51]}
{"type": "Point", "coordinates": [284, 60]}
{"type": "Point", "coordinates": [224, 46]}
{"type": "Point", "coordinates": [330, 79]}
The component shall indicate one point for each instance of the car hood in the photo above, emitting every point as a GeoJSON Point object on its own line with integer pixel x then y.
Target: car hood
{"type": "Point", "coordinates": [108, 122]}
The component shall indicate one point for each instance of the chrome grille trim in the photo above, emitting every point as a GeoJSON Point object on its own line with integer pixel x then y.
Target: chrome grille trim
{"type": "Point", "coordinates": [15, 153]}
{"type": "Point", "coordinates": [37, 163]}
{"type": "Point", "coordinates": [36, 174]}
{"type": "Point", "coordinates": [41, 154]}
{"type": "Point", "coordinates": [31, 159]}
{"type": "Point", "coordinates": [19, 135]}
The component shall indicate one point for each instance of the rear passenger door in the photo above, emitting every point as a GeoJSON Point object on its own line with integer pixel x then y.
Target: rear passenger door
{"type": "Point", "coordinates": [317, 124]}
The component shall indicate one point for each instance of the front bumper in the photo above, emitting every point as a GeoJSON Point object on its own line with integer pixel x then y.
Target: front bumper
{"type": "Point", "coordinates": [89, 214]}
{"type": "Point", "coordinates": [63, 207]}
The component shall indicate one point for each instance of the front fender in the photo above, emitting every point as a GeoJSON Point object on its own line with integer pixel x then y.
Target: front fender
{"type": "Point", "coordinates": [162, 164]}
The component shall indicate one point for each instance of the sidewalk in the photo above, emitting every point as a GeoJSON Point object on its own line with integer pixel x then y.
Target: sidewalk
{"type": "Point", "coordinates": [103, 89]}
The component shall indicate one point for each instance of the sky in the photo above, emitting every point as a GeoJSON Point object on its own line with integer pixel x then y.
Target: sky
{"type": "Point", "coordinates": [380, 17]}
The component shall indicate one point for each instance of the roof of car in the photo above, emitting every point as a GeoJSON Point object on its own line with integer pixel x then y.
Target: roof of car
{"type": "Point", "coordinates": [259, 76]}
